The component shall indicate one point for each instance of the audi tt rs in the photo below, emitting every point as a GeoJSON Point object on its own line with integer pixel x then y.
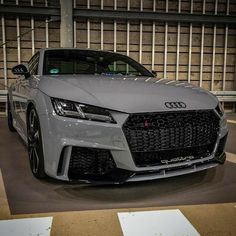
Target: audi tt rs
{"type": "Point", "coordinates": [97, 116]}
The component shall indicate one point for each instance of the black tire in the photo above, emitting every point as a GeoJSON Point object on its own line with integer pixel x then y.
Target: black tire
{"type": "Point", "coordinates": [9, 116]}
{"type": "Point", "coordinates": [35, 146]}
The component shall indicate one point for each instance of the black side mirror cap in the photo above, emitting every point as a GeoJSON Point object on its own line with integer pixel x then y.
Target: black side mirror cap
{"type": "Point", "coordinates": [154, 73]}
{"type": "Point", "coordinates": [21, 69]}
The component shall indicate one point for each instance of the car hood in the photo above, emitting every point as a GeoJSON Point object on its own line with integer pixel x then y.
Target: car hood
{"type": "Point", "coordinates": [126, 94]}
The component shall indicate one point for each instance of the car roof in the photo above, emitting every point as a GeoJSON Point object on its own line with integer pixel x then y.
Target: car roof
{"type": "Point", "coordinates": [79, 49]}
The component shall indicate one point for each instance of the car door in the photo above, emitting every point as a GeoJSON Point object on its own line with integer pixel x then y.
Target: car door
{"type": "Point", "coordinates": [15, 105]}
{"type": "Point", "coordinates": [25, 90]}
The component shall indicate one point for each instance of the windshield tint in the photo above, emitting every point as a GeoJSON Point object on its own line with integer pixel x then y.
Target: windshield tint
{"type": "Point", "coordinates": [91, 62]}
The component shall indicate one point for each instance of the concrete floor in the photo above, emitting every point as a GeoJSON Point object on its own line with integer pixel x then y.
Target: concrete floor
{"type": "Point", "coordinates": [208, 220]}
{"type": "Point", "coordinates": [28, 195]}
{"type": "Point", "coordinates": [21, 194]}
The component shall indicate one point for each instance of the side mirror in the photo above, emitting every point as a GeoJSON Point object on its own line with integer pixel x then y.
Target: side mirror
{"type": "Point", "coordinates": [21, 69]}
{"type": "Point", "coordinates": [154, 73]}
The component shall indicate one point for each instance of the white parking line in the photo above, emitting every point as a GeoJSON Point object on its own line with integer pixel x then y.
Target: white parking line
{"type": "Point", "coordinates": [153, 223]}
{"type": "Point", "coordinates": [26, 227]}
{"type": "Point", "coordinates": [231, 157]}
{"type": "Point", "coordinates": [231, 121]}
{"type": "Point", "coordinates": [4, 206]}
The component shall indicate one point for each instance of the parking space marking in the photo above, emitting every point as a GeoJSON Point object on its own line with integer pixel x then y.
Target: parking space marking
{"type": "Point", "coordinates": [26, 227]}
{"type": "Point", "coordinates": [20, 227]}
{"type": "Point", "coordinates": [154, 223]}
{"type": "Point", "coordinates": [231, 157]}
{"type": "Point", "coordinates": [231, 121]}
{"type": "Point", "coordinates": [4, 206]}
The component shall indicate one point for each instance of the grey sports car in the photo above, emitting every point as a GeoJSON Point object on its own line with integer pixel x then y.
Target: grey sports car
{"type": "Point", "coordinates": [98, 116]}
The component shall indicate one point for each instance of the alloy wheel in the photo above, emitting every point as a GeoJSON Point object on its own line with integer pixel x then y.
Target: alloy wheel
{"type": "Point", "coordinates": [33, 141]}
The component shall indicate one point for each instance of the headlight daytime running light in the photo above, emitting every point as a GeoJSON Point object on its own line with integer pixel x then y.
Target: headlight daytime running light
{"type": "Point", "coordinates": [72, 109]}
{"type": "Point", "coordinates": [220, 109]}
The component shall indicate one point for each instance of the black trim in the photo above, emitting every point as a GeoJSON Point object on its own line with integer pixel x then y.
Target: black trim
{"type": "Point", "coordinates": [155, 16]}
{"type": "Point", "coordinates": [120, 176]}
{"type": "Point", "coordinates": [61, 161]}
{"type": "Point", "coordinates": [219, 111]}
{"type": "Point", "coordinates": [220, 155]}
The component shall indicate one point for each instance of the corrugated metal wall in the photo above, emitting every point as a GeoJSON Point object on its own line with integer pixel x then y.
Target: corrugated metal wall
{"type": "Point", "coordinates": [201, 54]}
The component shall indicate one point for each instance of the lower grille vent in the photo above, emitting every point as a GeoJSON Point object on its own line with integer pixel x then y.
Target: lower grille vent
{"type": "Point", "coordinates": [90, 162]}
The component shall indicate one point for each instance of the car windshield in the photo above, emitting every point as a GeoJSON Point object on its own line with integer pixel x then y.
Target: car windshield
{"type": "Point", "coordinates": [91, 62]}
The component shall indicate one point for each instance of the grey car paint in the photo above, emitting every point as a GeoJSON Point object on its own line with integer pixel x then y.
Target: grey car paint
{"type": "Point", "coordinates": [122, 95]}
{"type": "Point", "coordinates": [131, 94]}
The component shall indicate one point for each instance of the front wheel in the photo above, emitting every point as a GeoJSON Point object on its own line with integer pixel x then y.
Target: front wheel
{"type": "Point", "coordinates": [35, 147]}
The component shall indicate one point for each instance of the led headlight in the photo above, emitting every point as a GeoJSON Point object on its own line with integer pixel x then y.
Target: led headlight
{"type": "Point", "coordinates": [220, 109]}
{"type": "Point", "coordinates": [82, 111]}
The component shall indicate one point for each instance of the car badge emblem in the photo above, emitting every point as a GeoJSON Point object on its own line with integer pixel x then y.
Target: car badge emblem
{"type": "Point", "coordinates": [175, 105]}
{"type": "Point", "coordinates": [146, 124]}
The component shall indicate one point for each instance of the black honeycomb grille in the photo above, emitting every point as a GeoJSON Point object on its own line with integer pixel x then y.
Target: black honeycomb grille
{"type": "Point", "coordinates": [90, 162]}
{"type": "Point", "coordinates": [156, 136]}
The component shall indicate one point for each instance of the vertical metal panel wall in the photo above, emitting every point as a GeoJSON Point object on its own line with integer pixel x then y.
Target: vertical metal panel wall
{"type": "Point", "coordinates": [21, 37]}
{"type": "Point", "coordinates": [203, 55]}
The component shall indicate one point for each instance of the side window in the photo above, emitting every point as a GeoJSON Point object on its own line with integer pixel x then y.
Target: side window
{"type": "Point", "coordinates": [33, 64]}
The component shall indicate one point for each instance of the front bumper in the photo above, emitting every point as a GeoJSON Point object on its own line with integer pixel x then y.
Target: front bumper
{"type": "Point", "coordinates": [61, 134]}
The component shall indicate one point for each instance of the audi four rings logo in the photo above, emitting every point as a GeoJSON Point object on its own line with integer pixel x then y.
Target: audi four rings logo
{"type": "Point", "coordinates": [175, 105]}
